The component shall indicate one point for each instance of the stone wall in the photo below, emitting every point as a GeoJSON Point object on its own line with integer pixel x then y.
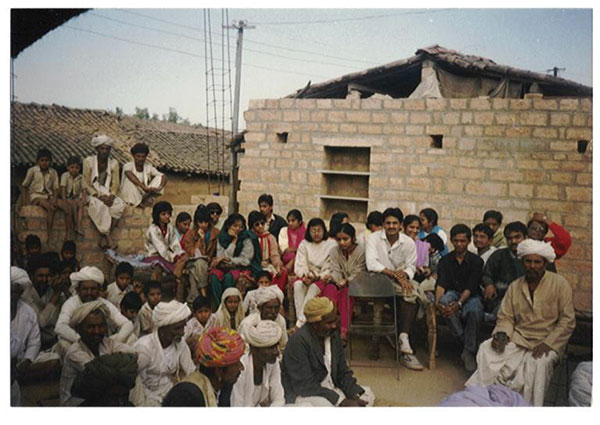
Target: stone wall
{"type": "Point", "coordinates": [513, 155]}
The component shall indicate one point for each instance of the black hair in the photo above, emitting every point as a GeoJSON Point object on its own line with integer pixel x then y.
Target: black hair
{"type": "Point", "coordinates": [265, 197]}
{"type": "Point", "coordinates": [131, 301]}
{"type": "Point", "coordinates": [183, 216]}
{"type": "Point", "coordinates": [231, 219]}
{"type": "Point", "coordinates": [74, 159]}
{"type": "Point", "coordinates": [296, 214]}
{"type": "Point", "coordinates": [483, 228]}
{"type": "Point", "coordinates": [335, 222]}
{"type": "Point", "coordinates": [431, 215]}
{"type": "Point", "coordinates": [36, 262]}
{"type": "Point", "coordinates": [201, 215]}
{"type": "Point", "coordinates": [348, 229]}
{"type": "Point", "coordinates": [312, 223]}
{"type": "Point", "coordinates": [544, 225]}
{"type": "Point", "coordinates": [69, 246]}
{"type": "Point", "coordinates": [460, 229]}
{"type": "Point", "coordinates": [168, 287]}
{"type": "Point", "coordinates": [184, 394]}
{"type": "Point", "coordinates": [515, 226]}
{"type": "Point", "coordinates": [254, 217]}
{"type": "Point", "coordinates": [435, 241]}
{"type": "Point", "coordinates": [375, 218]}
{"type": "Point", "coordinates": [263, 273]}
{"type": "Point", "coordinates": [151, 284]}
{"type": "Point", "coordinates": [201, 302]}
{"type": "Point", "coordinates": [496, 215]}
{"type": "Point", "coordinates": [54, 260]}
{"type": "Point", "coordinates": [140, 148]}
{"type": "Point", "coordinates": [214, 206]}
{"type": "Point", "coordinates": [43, 153]}
{"type": "Point", "coordinates": [32, 241]}
{"type": "Point", "coordinates": [158, 208]}
{"type": "Point", "coordinates": [411, 218]}
{"type": "Point", "coordinates": [124, 267]}
{"type": "Point", "coordinates": [394, 212]}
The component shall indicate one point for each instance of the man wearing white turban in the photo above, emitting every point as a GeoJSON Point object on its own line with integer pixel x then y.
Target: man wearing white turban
{"type": "Point", "coordinates": [259, 383]}
{"type": "Point", "coordinates": [87, 283]}
{"type": "Point", "coordinates": [90, 322]}
{"type": "Point", "coordinates": [101, 182]}
{"type": "Point", "coordinates": [163, 357]}
{"type": "Point", "coordinates": [269, 300]}
{"type": "Point", "coordinates": [535, 321]}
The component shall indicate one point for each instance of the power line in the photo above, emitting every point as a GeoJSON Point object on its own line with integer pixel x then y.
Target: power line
{"type": "Point", "coordinates": [363, 18]}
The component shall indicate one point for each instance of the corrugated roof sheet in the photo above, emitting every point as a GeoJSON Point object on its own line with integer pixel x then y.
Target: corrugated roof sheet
{"type": "Point", "coordinates": [68, 131]}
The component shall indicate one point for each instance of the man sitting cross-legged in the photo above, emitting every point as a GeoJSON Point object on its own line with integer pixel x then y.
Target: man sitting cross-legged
{"type": "Point", "coordinates": [90, 322]}
{"type": "Point", "coordinates": [260, 381]}
{"type": "Point", "coordinates": [535, 321]}
{"type": "Point", "coordinates": [314, 370]}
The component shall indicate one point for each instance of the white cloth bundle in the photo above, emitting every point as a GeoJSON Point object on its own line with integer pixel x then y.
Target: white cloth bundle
{"type": "Point", "coordinates": [268, 293]}
{"type": "Point", "coordinates": [265, 333]}
{"type": "Point", "coordinates": [19, 276]}
{"type": "Point", "coordinates": [165, 314]}
{"type": "Point", "coordinates": [86, 273]}
{"type": "Point", "coordinates": [102, 139]}
{"type": "Point", "coordinates": [85, 309]}
{"type": "Point", "coordinates": [531, 246]}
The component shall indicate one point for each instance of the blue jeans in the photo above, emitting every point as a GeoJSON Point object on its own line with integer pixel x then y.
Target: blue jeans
{"type": "Point", "coordinates": [465, 323]}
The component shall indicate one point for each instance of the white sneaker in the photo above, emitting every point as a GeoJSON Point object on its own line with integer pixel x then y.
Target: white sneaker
{"type": "Point", "coordinates": [404, 345]}
{"type": "Point", "coordinates": [411, 362]}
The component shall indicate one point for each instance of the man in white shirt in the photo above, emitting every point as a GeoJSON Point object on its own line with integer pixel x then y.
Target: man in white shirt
{"type": "Point", "coordinates": [88, 281]}
{"type": "Point", "coordinates": [481, 245]}
{"type": "Point", "coordinates": [393, 254]}
{"type": "Point", "coordinates": [141, 183]}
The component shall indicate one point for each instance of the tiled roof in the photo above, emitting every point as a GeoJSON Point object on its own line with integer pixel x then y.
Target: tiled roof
{"type": "Point", "coordinates": [392, 76]}
{"type": "Point", "coordinates": [68, 131]}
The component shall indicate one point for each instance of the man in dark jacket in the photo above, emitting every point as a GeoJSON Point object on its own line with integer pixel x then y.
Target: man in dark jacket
{"type": "Point", "coordinates": [274, 222]}
{"type": "Point", "coordinates": [314, 370]}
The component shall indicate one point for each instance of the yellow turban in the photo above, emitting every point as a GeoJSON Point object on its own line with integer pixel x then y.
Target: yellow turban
{"type": "Point", "coordinates": [315, 309]}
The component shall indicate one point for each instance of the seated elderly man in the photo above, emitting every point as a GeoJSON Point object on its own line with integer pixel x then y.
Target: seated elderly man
{"type": "Point", "coordinates": [314, 370]}
{"type": "Point", "coordinates": [26, 361]}
{"type": "Point", "coordinates": [218, 352]}
{"type": "Point", "coordinates": [535, 321]}
{"type": "Point", "coordinates": [87, 282]}
{"type": "Point", "coordinates": [259, 385]}
{"type": "Point", "coordinates": [163, 357]}
{"type": "Point", "coordinates": [91, 324]}
{"type": "Point", "coordinates": [268, 300]}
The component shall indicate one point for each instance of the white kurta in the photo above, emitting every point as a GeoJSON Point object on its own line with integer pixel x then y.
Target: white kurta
{"type": "Point", "coordinates": [119, 326]}
{"type": "Point", "coordinates": [246, 394]}
{"type": "Point", "coordinates": [149, 176]}
{"type": "Point", "coordinates": [99, 212]}
{"type": "Point", "coordinates": [160, 368]}
{"type": "Point", "coordinates": [194, 328]}
{"type": "Point", "coordinates": [25, 340]}
{"type": "Point", "coordinates": [74, 363]}
{"type": "Point", "coordinates": [168, 246]}
{"type": "Point", "coordinates": [115, 295]}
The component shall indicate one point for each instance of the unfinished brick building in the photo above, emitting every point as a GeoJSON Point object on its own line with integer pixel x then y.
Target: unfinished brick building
{"type": "Point", "coordinates": [457, 133]}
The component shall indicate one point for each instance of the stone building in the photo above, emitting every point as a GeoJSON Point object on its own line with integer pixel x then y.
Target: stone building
{"type": "Point", "coordinates": [195, 160]}
{"type": "Point", "coordinates": [457, 133]}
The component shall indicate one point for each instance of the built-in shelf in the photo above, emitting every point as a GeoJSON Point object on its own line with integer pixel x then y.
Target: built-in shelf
{"type": "Point", "coordinates": [344, 198]}
{"type": "Point", "coordinates": [347, 173]}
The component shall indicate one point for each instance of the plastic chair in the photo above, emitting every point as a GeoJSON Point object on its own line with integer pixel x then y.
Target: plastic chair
{"type": "Point", "coordinates": [378, 286]}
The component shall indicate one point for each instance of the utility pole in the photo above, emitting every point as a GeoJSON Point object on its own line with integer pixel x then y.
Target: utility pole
{"type": "Point", "coordinates": [236, 111]}
{"type": "Point", "coordinates": [555, 70]}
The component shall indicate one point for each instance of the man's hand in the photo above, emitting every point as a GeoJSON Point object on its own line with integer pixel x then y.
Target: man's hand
{"type": "Point", "coordinates": [499, 342]}
{"type": "Point", "coordinates": [541, 350]}
{"type": "Point", "coordinates": [489, 292]}
{"type": "Point", "coordinates": [353, 402]}
{"type": "Point", "coordinates": [307, 280]}
{"type": "Point", "coordinates": [341, 284]}
{"type": "Point", "coordinates": [453, 307]}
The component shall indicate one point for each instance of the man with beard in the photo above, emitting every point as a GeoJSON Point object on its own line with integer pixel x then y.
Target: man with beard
{"type": "Point", "coordinates": [535, 321]}
{"type": "Point", "coordinates": [314, 370]}
{"type": "Point", "coordinates": [259, 384]}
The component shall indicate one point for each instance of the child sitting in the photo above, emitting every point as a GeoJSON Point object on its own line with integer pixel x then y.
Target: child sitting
{"type": "Point", "coordinates": [200, 244]}
{"type": "Point", "coordinates": [202, 319]}
{"type": "Point", "coordinates": [153, 294]}
{"type": "Point", "coordinates": [68, 252]}
{"type": "Point", "coordinates": [263, 279]}
{"type": "Point", "coordinates": [130, 307]}
{"type": "Point", "coordinates": [40, 186]}
{"type": "Point", "coordinates": [230, 313]}
{"type": "Point", "coordinates": [290, 238]}
{"type": "Point", "coordinates": [182, 224]}
{"type": "Point", "coordinates": [141, 183]}
{"type": "Point", "coordinates": [122, 284]}
{"type": "Point", "coordinates": [72, 197]}
{"type": "Point", "coordinates": [162, 244]}
{"type": "Point", "coordinates": [269, 250]}
{"type": "Point", "coordinates": [33, 248]}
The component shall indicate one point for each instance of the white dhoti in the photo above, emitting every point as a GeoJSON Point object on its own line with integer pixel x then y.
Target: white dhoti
{"type": "Point", "coordinates": [515, 369]}
{"type": "Point", "coordinates": [367, 396]}
{"type": "Point", "coordinates": [133, 195]}
{"type": "Point", "coordinates": [102, 215]}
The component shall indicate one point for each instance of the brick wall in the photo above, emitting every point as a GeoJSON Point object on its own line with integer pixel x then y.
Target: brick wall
{"type": "Point", "coordinates": [514, 155]}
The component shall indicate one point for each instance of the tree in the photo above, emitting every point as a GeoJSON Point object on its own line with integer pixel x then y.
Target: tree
{"type": "Point", "coordinates": [173, 116]}
{"type": "Point", "coordinates": [155, 117]}
{"type": "Point", "coordinates": [142, 113]}
{"type": "Point", "coordinates": [119, 111]}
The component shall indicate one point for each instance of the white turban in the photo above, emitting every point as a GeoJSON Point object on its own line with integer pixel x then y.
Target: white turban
{"type": "Point", "coordinates": [268, 293]}
{"type": "Point", "coordinates": [85, 309]}
{"type": "Point", "coordinates": [102, 139]}
{"type": "Point", "coordinates": [19, 276]}
{"type": "Point", "coordinates": [87, 273]}
{"type": "Point", "coordinates": [531, 246]}
{"type": "Point", "coordinates": [265, 333]}
{"type": "Point", "coordinates": [165, 314]}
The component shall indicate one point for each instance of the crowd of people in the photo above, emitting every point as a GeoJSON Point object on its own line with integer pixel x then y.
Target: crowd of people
{"type": "Point", "coordinates": [256, 312]}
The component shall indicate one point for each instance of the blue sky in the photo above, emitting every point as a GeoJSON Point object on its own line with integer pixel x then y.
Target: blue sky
{"type": "Point", "coordinates": [155, 58]}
